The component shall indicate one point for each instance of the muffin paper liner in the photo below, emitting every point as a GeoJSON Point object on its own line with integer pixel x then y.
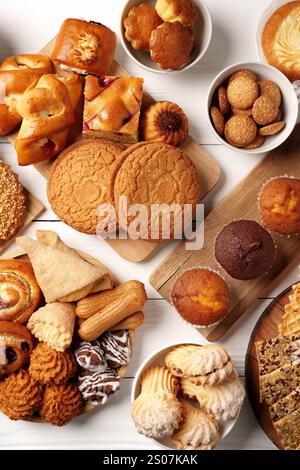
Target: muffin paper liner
{"type": "Point", "coordinates": [281, 235]}
{"type": "Point", "coordinates": [183, 319]}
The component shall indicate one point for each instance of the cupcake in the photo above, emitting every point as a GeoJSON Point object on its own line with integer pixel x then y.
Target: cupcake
{"type": "Point", "coordinates": [279, 205]}
{"type": "Point", "coordinates": [245, 249]}
{"type": "Point", "coordinates": [201, 297]}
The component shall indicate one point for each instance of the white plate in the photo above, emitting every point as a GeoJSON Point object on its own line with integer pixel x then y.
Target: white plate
{"type": "Point", "coordinates": [157, 359]}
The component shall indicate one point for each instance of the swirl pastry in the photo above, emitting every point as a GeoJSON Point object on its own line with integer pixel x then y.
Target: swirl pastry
{"type": "Point", "coordinates": [159, 379]}
{"type": "Point", "coordinates": [49, 366]}
{"type": "Point", "coordinates": [54, 325]}
{"type": "Point", "coordinates": [156, 415]}
{"type": "Point", "coordinates": [222, 401]}
{"type": "Point", "coordinates": [96, 388]}
{"type": "Point", "coordinates": [16, 344]}
{"type": "Point", "coordinates": [197, 430]}
{"type": "Point", "coordinates": [19, 291]}
{"type": "Point", "coordinates": [20, 396]}
{"type": "Point", "coordinates": [61, 403]}
{"type": "Point", "coordinates": [191, 360]}
{"type": "Point", "coordinates": [281, 40]}
{"type": "Point", "coordinates": [166, 122]}
{"type": "Point", "coordinates": [90, 356]}
{"type": "Point", "coordinates": [117, 348]}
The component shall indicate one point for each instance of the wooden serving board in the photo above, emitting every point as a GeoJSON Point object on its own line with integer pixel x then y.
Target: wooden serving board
{"type": "Point", "coordinates": [90, 259]}
{"type": "Point", "coordinates": [33, 208]}
{"type": "Point", "coordinates": [208, 170]}
{"type": "Point", "coordinates": [241, 203]}
{"type": "Point", "coordinates": [265, 328]}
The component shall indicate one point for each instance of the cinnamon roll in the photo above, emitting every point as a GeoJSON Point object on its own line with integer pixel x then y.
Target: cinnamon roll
{"type": "Point", "coordinates": [20, 294]}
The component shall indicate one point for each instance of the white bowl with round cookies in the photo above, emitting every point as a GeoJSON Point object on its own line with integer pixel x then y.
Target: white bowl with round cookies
{"type": "Point", "coordinates": [202, 30]}
{"type": "Point", "coordinates": [229, 375]}
{"type": "Point", "coordinates": [289, 107]}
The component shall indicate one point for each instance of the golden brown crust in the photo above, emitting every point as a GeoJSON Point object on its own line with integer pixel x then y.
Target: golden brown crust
{"type": "Point", "coordinates": [218, 120]}
{"type": "Point", "coordinates": [171, 45]}
{"type": "Point", "coordinates": [242, 92]}
{"type": "Point", "coordinates": [85, 46]}
{"type": "Point", "coordinates": [279, 204]}
{"type": "Point", "coordinates": [286, 61]}
{"type": "Point", "coordinates": [20, 294]}
{"type": "Point", "coordinates": [201, 297]}
{"type": "Point", "coordinates": [20, 396]}
{"type": "Point", "coordinates": [265, 110]}
{"type": "Point", "coordinates": [48, 366]}
{"type": "Point", "coordinates": [155, 173]}
{"type": "Point", "coordinates": [12, 202]}
{"type": "Point", "coordinates": [139, 24]}
{"type": "Point", "coordinates": [16, 344]}
{"type": "Point", "coordinates": [183, 11]}
{"type": "Point", "coordinates": [166, 122]}
{"type": "Point", "coordinates": [97, 160]}
{"type": "Point", "coordinates": [272, 129]}
{"type": "Point", "coordinates": [61, 403]}
{"type": "Point", "coordinates": [240, 130]}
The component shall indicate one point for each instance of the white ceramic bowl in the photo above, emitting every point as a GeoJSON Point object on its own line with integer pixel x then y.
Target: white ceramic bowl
{"type": "Point", "coordinates": [202, 33]}
{"type": "Point", "coordinates": [290, 104]}
{"type": "Point", "coordinates": [157, 359]}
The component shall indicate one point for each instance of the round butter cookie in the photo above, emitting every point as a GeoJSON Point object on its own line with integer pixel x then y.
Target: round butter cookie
{"type": "Point", "coordinates": [281, 40]}
{"type": "Point", "coordinates": [80, 181]}
{"type": "Point", "coordinates": [154, 173]}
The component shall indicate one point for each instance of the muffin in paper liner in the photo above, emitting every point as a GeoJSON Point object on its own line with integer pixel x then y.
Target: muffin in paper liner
{"type": "Point", "coordinates": [259, 223]}
{"type": "Point", "coordinates": [279, 234]}
{"type": "Point", "coordinates": [195, 325]}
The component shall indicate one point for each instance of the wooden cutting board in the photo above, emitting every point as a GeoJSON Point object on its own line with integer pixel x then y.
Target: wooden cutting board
{"type": "Point", "coordinates": [266, 328]}
{"type": "Point", "coordinates": [208, 170]}
{"type": "Point", "coordinates": [33, 208]}
{"type": "Point", "coordinates": [241, 203]}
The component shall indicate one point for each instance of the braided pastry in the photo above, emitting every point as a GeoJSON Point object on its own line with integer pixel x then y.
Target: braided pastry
{"type": "Point", "coordinates": [19, 291]}
{"type": "Point", "coordinates": [17, 74]}
{"type": "Point", "coordinates": [48, 113]}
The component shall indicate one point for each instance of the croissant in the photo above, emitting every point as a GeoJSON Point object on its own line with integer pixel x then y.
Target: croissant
{"type": "Point", "coordinates": [17, 74]}
{"type": "Point", "coordinates": [48, 113]}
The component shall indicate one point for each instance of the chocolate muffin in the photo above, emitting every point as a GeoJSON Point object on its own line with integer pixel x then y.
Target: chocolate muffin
{"type": "Point", "coordinates": [279, 205]}
{"type": "Point", "coordinates": [245, 249]}
{"type": "Point", "coordinates": [201, 297]}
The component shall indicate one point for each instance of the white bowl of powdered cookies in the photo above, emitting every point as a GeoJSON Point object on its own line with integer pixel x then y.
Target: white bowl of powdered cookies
{"type": "Point", "coordinates": [187, 396]}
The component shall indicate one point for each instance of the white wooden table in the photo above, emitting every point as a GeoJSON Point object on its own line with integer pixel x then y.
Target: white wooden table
{"type": "Point", "coordinates": [25, 27]}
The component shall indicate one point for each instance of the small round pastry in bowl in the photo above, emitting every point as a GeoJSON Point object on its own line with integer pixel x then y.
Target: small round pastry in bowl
{"type": "Point", "coordinates": [183, 11]}
{"type": "Point", "coordinates": [171, 45]}
{"type": "Point", "coordinates": [279, 205]}
{"type": "Point", "coordinates": [201, 297]}
{"type": "Point", "coordinates": [245, 249]}
{"type": "Point", "coordinates": [164, 121]}
{"type": "Point", "coordinates": [139, 24]}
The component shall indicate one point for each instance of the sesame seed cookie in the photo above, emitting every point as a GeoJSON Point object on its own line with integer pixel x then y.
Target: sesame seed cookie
{"type": "Point", "coordinates": [80, 181]}
{"type": "Point", "coordinates": [257, 142]}
{"type": "Point", "coordinates": [242, 92]}
{"type": "Point", "coordinates": [223, 101]}
{"type": "Point", "coordinates": [12, 202]}
{"type": "Point", "coordinates": [218, 119]}
{"type": "Point", "coordinates": [240, 130]}
{"type": "Point", "coordinates": [247, 112]}
{"type": "Point", "coordinates": [272, 129]}
{"type": "Point", "coordinates": [154, 173]}
{"type": "Point", "coordinates": [243, 73]}
{"type": "Point", "coordinates": [270, 89]}
{"type": "Point", "coordinates": [264, 111]}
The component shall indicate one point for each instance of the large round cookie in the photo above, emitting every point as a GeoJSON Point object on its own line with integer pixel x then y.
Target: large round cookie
{"type": "Point", "coordinates": [151, 173]}
{"type": "Point", "coordinates": [80, 181]}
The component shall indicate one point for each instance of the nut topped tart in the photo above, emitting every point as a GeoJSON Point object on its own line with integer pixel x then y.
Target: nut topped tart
{"type": "Point", "coordinates": [112, 108]}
